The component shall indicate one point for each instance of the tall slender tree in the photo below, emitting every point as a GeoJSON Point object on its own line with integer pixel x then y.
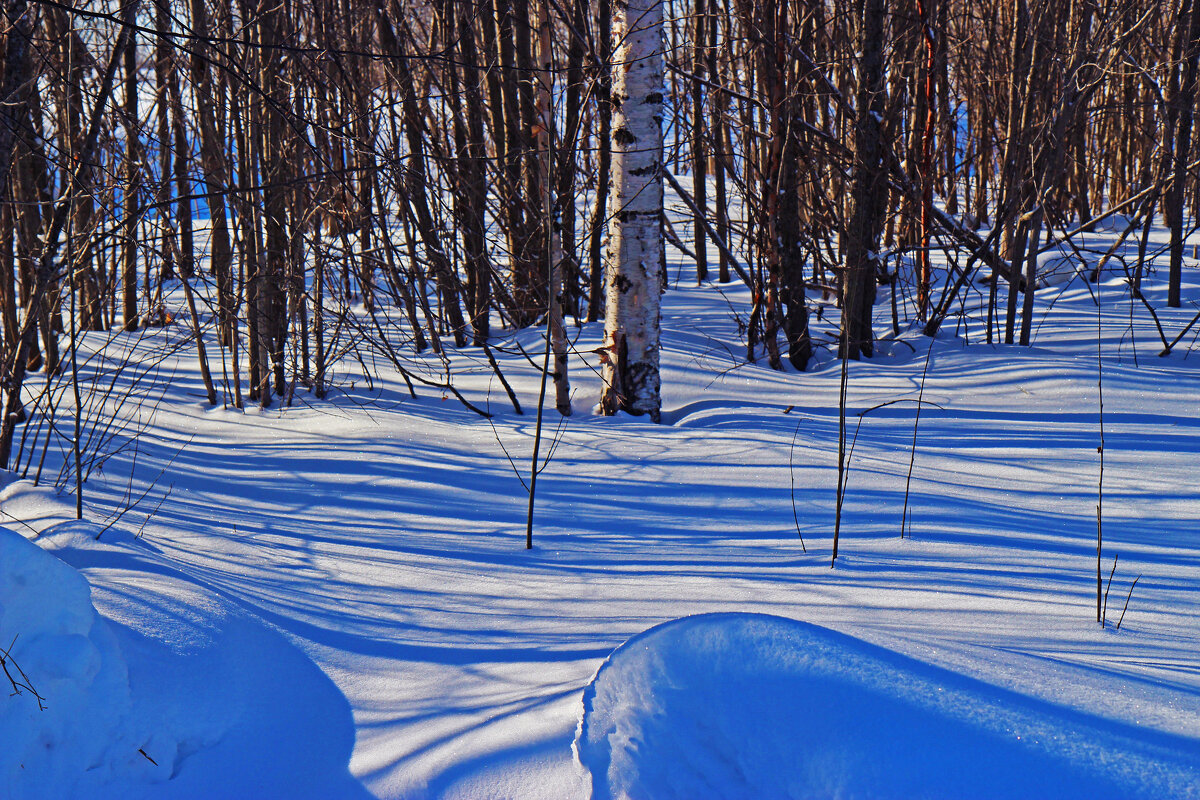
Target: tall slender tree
{"type": "Point", "coordinates": [870, 182]}
{"type": "Point", "coordinates": [634, 258]}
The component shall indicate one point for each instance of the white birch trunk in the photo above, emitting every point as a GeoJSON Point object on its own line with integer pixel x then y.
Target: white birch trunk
{"type": "Point", "coordinates": [633, 256]}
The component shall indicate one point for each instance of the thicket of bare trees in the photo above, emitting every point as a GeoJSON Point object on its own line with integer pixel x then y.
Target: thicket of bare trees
{"type": "Point", "coordinates": [317, 176]}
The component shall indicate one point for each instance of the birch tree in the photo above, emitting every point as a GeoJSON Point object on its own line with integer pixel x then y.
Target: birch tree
{"type": "Point", "coordinates": [634, 257]}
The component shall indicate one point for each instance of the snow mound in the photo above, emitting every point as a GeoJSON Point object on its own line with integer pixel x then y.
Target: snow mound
{"type": "Point", "coordinates": [757, 706]}
{"type": "Point", "coordinates": [150, 686]}
{"type": "Point", "coordinates": [1058, 266]}
{"type": "Point", "coordinates": [62, 712]}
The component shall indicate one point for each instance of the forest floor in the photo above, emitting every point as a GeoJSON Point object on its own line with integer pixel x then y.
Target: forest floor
{"type": "Point", "coordinates": [383, 538]}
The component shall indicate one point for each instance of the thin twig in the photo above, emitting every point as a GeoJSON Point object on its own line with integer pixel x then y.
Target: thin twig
{"type": "Point", "coordinates": [512, 396]}
{"type": "Point", "coordinates": [912, 458]}
{"type": "Point", "coordinates": [24, 683]}
{"type": "Point", "coordinates": [1107, 586]}
{"type": "Point", "coordinates": [129, 507]}
{"type": "Point", "coordinates": [792, 478]}
{"type": "Point", "coordinates": [1126, 608]}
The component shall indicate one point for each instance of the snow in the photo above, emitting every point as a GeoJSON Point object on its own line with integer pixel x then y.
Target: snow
{"type": "Point", "coordinates": [60, 650]}
{"type": "Point", "coordinates": [1058, 266]}
{"type": "Point", "coordinates": [170, 695]}
{"type": "Point", "coordinates": [752, 705]}
{"type": "Point", "coordinates": [334, 599]}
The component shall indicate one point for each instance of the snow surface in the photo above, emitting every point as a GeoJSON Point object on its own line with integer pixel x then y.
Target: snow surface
{"type": "Point", "coordinates": [174, 695]}
{"type": "Point", "coordinates": [345, 581]}
{"type": "Point", "coordinates": [52, 632]}
{"type": "Point", "coordinates": [758, 706]}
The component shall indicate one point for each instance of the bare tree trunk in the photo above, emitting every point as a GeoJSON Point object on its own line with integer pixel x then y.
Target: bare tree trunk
{"type": "Point", "coordinates": [471, 193]}
{"type": "Point", "coordinates": [1183, 145]}
{"type": "Point", "coordinates": [565, 157]}
{"type": "Point", "coordinates": [635, 245]}
{"type": "Point", "coordinates": [162, 66]}
{"type": "Point", "coordinates": [133, 156]}
{"type": "Point", "coordinates": [603, 91]}
{"type": "Point", "coordinates": [416, 177]}
{"type": "Point", "coordinates": [699, 156]}
{"type": "Point", "coordinates": [868, 194]}
{"type": "Point", "coordinates": [1012, 175]}
{"type": "Point", "coordinates": [185, 258]}
{"type": "Point", "coordinates": [16, 84]}
{"type": "Point", "coordinates": [927, 123]}
{"type": "Point", "coordinates": [216, 181]}
{"type": "Point", "coordinates": [550, 208]}
{"type": "Point", "coordinates": [720, 145]}
{"type": "Point", "coordinates": [81, 256]}
{"type": "Point", "coordinates": [273, 169]}
{"type": "Point", "coordinates": [47, 264]}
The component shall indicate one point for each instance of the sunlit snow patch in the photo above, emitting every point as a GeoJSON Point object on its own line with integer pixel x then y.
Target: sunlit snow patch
{"type": "Point", "coordinates": [756, 706]}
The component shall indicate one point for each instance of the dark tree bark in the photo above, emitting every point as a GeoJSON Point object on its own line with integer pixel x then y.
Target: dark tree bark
{"type": "Point", "coordinates": [1186, 100]}
{"type": "Point", "coordinates": [869, 185]}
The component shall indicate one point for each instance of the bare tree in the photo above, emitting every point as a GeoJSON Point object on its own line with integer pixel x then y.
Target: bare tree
{"type": "Point", "coordinates": [633, 262]}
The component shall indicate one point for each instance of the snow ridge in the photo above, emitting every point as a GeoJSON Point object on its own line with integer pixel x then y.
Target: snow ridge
{"type": "Point", "coordinates": [738, 705]}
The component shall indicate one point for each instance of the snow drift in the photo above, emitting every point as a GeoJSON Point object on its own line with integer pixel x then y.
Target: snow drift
{"type": "Point", "coordinates": [164, 692]}
{"type": "Point", "coordinates": [69, 682]}
{"type": "Point", "coordinates": [757, 706]}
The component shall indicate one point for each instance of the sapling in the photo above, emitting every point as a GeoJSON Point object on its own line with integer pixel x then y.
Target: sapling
{"type": "Point", "coordinates": [534, 470]}
{"type": "Point", "coordinates": [792, 479]}
{"type": "Point", "coordinates": [1100, 451]}
{"type": "Point", "coordinates": [1107, 586]}
{"type": "Point", "coordinates": [912, 456]}
{"type": "Point", "coordinates": [841, 483]}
